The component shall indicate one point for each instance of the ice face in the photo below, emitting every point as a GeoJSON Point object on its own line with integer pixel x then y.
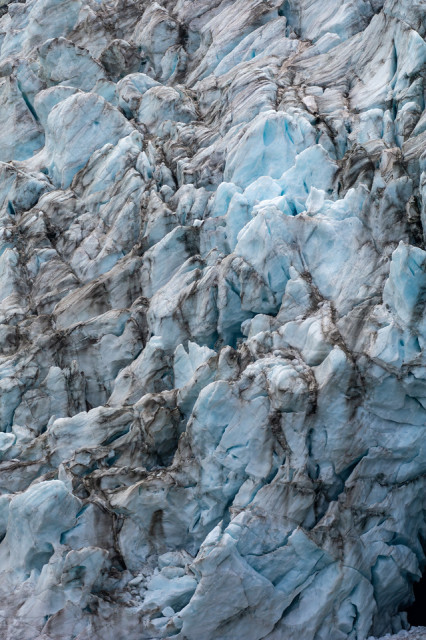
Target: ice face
{"type": "Point", "coordinates": [212, 318]}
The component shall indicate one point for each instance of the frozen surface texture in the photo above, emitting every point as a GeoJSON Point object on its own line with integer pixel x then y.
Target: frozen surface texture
{"type": "Point", "coordinates": [212, 318]}
{"type": "Point", "coordinates": [416, 633]}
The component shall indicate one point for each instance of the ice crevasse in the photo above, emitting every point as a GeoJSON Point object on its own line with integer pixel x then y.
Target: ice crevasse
{"type": "Point", "coordinates": [212, 318]}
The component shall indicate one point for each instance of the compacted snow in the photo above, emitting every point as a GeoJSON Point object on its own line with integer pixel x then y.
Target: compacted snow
{"type": "Point", "coordinates": [212, 318]}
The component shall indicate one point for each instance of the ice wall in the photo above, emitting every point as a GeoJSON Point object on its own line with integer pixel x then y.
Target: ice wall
{"type": "Point", "coordinates": [212, 318]}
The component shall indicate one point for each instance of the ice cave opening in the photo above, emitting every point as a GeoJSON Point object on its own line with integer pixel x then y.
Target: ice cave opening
{"type": "Point", "coordinates": [416, 612]}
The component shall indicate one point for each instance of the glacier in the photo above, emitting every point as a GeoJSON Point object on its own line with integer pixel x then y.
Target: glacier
{"type": "Point", "coordinates": [212, 318]}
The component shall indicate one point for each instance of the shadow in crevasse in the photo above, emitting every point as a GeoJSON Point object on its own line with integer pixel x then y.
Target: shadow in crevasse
{"type": "Point", "coordinates": [416, 612]}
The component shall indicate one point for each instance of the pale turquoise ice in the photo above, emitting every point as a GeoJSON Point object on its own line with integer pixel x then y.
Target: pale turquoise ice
{"type": "Point", "coordinates": [212, 318]}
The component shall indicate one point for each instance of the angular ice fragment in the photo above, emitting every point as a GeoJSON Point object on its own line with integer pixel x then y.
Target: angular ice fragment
{"type": "Point", "coordinates": [268, 147]}
{"type": "Point", "coordinates": [405, 289]}
{"type": "Point", "coordinates": [37, 518]}
{"type": "Point", "coordinates": [75, 128]}
{"type": "Point", "coordinates": [186, 362]}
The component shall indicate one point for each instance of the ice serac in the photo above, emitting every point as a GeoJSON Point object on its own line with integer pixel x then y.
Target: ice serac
{"type": "Point", "coordinates": [212, 318]}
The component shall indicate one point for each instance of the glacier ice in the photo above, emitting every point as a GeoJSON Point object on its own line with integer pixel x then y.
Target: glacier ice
{"type": "Point", "coordinates": [212, 318]}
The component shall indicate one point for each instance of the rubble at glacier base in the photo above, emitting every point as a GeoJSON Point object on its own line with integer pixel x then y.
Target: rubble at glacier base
{"type": "Point", "coordinates": [212, 318]}
{"type": "Point", "coordinates": [416, 633]}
